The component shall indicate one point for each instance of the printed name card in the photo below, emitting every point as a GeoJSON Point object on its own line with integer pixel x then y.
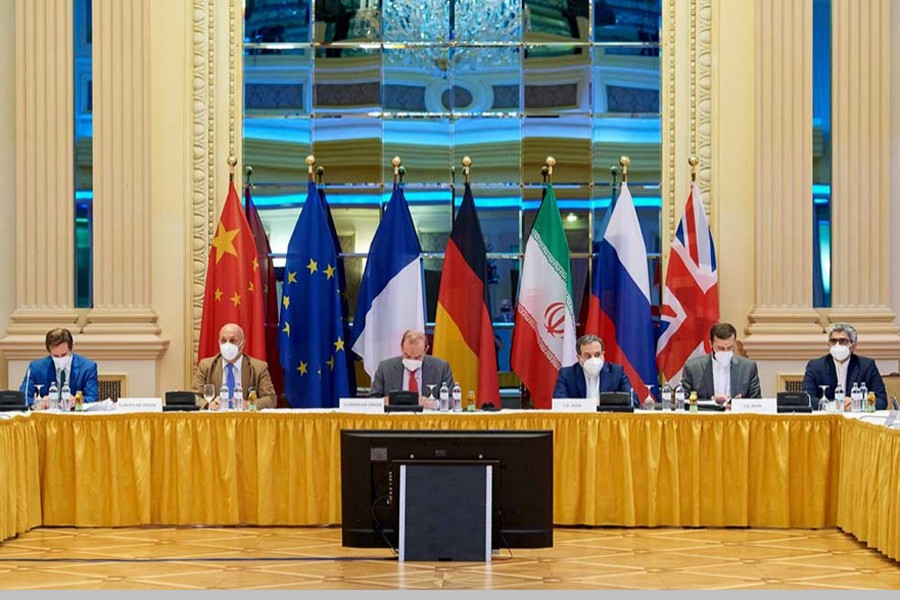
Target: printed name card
{"type": "Point", "coordinates": [574, 405]}
{"type": "Point", "coordinates": [139, 405]}
{"type": "Point", "coordinates": [361, 405]}
{"type": "Point", "coordinates": [760, 406]}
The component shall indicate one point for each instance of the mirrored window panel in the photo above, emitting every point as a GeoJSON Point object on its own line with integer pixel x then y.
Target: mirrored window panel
{"type": "Point", "coordinates": [424, 147]}
{"type": "Point", "coordinates": [626, 83]}
{"type": "Point", "coordinates": [276, 148]}
{"type": "Point", "coordinates": [627, 21]}
{"type": "Point", "coordinates": [350, 148]}
{"type": "Point", "coordinates": [557, 20]}
{"type": "Point", "coordinates": [277, 83]}
{"type": "Point", "coordinates": [486, 80]}
{"type": "Point", "coordinates": [423, 22]}
{"type": "Point", "coordinates": [638, 138]}
{"type": "Point", "coordinates": [348, 82]}
{"type": "Point", "coordinates": [557, 79]}
{"type": "Point", "coordinates": [493, 144]}
{"type": "Point", "coordinates": [430, 210]}
{"type": "Point", "coordinates": [347, 22]}
{"type": "Point", "coordinates": [566, 138]}
{"type": "Point", "coordinates": [276, 21]}
{"type": "Point", "coordinates": [416, 81]}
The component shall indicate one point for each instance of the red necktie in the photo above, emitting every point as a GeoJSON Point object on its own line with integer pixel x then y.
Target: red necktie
{"type": "Point", "coordinates": [413, 384]}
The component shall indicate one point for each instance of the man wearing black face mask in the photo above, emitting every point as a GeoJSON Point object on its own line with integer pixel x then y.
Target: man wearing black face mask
{"type": "Point", "coordinates": [63, 367]}
{"type": "Point", "coordinates": [720, 375]}
{"type": "Point", "coordinates": [230, 367]}
{"type": "Point", "coordinates": [843, 366]}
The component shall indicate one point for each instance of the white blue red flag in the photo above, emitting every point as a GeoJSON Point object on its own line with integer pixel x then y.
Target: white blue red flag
{"type": "Point", "coordinates": [690, 299]}
{"type": "Point", "coordinates": [620, 297]}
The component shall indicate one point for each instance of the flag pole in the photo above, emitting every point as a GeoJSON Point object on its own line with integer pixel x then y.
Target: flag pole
{"type": "Point", "coordinates": [550, 162]}
{"type": "Point", "coordinates": [467, 168]}
{"type": "Point", "coordinates": [232, 163]}
{"type": "Point", "coordinates": [320, 172]}
{"type": "Point", "coordinates": [248, 173]}
{"type": "Point", "coordinates": [624, 161]}
{"type": "Point", "coordinates": [310, 162]}
{"type": "Point", "coordinates": [693, 161]}
{"type": "Point", "coordinates": [397, 164]}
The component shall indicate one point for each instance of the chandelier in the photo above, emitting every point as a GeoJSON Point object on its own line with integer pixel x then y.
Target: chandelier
{"type": "Point", "coordinates": [466, 34]}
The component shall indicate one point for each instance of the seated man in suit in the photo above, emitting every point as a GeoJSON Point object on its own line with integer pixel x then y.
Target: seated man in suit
{"type": "Point", "coordinates": [842, 365]}
{"type": "Point", "coordinates": [591, 374]}
{"type": "Point", "coordinates": [721, 375]}
{"type": "Point", "coordinates": [413, 370]}
{"type": "Point", "coordinates": [61, 366]}
{"type": "Point", "coordinates": [230, 366]}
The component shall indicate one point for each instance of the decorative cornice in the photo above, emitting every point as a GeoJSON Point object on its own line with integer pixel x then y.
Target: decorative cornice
{"type": "Point", "coordinates": [668, 112]}
{"type": "Point", "coordinates": [95, 347]}
{"type": "Point", "coordinates": [701, 94]}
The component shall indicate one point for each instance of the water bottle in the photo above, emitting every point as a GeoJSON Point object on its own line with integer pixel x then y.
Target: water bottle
{"type": "Point", "coordinates": [53, 396]}
{"type": "Point", "coordinates": [854, 397]}
{"type": "Point", "coordinates": [679, 396]}
{"type": "Point", "coordinates": [839, 396]}
{"type": "Point", "coordinates": [238, 397]}
{"type": "Point", "coordinates": [666, 394]}
{"type": "Point", "coordinates": [65, 397]}
{"type": "Point", "coordinates": [223, 397]}
{"type": "Point", "coordinates": [445, 397]}
{"type": "Point", "coordinates": [457, 397]}
{"type": "Point", "coordinates": [863, 394]}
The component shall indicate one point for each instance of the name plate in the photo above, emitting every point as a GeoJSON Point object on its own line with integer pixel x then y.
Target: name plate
{"type": "Point", "coordinates": [139, 405]}
{"type": "Point", "coordinates": [361, 405]}
{"type": "Point", "coordinates": [760, 406]}
{"type": "Point", "coordinates": [573, 405]}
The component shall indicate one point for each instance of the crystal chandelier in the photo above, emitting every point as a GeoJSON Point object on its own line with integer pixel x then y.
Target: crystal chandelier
{"type": "Point", "coordinates": [466, 34]}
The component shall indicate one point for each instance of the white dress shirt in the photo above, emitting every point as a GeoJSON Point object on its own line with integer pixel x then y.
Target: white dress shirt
{"type": "Point", "coordinates": [237, 371]}
{"type": "Point", "coordinates": [592, 386]}
{"type": "Point", "coordinates": [841, 369]}
{"type": "Point", "coordinates": [721, 378]}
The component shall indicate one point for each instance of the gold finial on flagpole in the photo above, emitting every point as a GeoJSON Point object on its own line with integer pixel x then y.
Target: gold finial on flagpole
{"type": "Point", "coordinates": [232, 163]}
{"type": "Point", "coordinates": [248, 173]}
{"type": "Point", "coordinates": [693, 161]}
{"type": "Point", "coordinates": [550, 162]}
{"type": "Point", "coordinates": [467, 168]}
{"type": "Point", "coordinates": [624, 161]}
{"type": "Point", "coordinates": [310, 163]}
{"type": "Point", "coordinates": [320, 172]}
{"type": "Point", "coordinates": [396, 162]}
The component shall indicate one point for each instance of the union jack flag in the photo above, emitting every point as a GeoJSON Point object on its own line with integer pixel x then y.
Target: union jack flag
{"type": "Point", "coordinates": [690, 304]}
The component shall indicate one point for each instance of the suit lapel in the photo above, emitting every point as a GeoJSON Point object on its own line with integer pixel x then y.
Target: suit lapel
{"type": "Point", "coordinates": [581, 381]}
{"type": "Point", "coordinates": [216, 373]}
{"type": "Point", "coordinates": [246, 373]}
{"type": "Point", "coordinates": [396, 380]}
{"type": "Point", "coordinates": [707, 380]}
{"type": "Point", "coordinates": [733, 377]}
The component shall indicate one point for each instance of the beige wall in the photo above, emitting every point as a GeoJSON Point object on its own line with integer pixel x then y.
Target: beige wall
{"type": "Point", "coordinates": [7, 166]}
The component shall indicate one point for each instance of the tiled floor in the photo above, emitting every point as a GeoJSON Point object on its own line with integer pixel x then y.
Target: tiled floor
{"type": "Point", "coordinates": [313, 558]}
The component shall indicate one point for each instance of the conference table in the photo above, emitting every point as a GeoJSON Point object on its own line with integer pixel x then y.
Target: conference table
{"type": "Point", "coordinates": [282, 468]}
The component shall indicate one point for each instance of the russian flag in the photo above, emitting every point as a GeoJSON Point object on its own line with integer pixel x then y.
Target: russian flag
{"type": "Point", "coordinates": [620, 299]}
{"type": "Point", "coordinates": [392, 292]}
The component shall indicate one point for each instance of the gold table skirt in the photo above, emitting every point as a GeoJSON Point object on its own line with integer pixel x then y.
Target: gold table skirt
{"type": "Point", "coordinates": [696, 470]}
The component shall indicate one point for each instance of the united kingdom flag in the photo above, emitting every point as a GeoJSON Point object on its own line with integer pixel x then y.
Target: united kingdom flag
{"type": "Point", "coordinates": [690, 304]}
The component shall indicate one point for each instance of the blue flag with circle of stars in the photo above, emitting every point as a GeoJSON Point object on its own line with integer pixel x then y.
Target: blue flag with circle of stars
{"type": "Point", "coordinates": [311, 338]}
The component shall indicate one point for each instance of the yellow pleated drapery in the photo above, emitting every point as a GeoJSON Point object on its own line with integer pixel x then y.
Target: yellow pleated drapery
{"type": "Point", "coordinates": [20, 481]}
{"type": "Point", "coordinates": [869, 498]}
{"type": "Point", "coordinates": [284, 468]}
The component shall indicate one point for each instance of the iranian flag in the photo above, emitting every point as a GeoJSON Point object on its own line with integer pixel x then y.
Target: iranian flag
{"type": "Point", "coordinates": [544, 334]}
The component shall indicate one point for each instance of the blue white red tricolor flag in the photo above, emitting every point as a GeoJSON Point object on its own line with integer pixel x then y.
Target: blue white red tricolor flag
{"type": "Point", "coordinates": [620, 299]}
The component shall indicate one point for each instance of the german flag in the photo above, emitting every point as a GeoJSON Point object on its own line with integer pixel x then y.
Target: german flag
{"type": "Point", "coordinates": [463, 333]}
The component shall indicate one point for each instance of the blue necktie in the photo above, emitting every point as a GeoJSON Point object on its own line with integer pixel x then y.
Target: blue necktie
{"type": "Point", "coordinates": [229, 380]}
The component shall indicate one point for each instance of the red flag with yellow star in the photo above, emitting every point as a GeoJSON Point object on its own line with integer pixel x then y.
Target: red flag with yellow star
{"type": "Point", "coordinates": [233, 286]}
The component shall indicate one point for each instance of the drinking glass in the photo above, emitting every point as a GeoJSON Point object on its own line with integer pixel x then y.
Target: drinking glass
{"type": "Point", "coordinates": [37, 397]}
{"type": "Point", "coordinates": [650, 402]}
{"type": "Point", "coordinates": [209, 392]}
{"type": "Point", "coordinates": [435, 402]}
{"type": "Point", "coordinates": [823, 401]}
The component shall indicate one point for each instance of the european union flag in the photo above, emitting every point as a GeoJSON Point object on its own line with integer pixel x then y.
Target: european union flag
{"type": "Point", "coordinates": [311, 327]}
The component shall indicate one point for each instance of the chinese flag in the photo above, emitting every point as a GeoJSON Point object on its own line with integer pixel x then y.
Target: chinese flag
{"type": "Point", "coordinates": [234, 293]}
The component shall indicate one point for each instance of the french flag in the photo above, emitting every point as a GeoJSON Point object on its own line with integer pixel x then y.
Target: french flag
{"type": "Point", "coordinates": [392, 291]}
{"type": "Point", "coordinates": [620, 299]}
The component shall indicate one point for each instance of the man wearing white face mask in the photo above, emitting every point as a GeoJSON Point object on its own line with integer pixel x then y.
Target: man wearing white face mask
{"type": "Point", "coordinates": [842, 365]}
{"type": "Point", "coordinates": [413, 370]}
{"type": "Point", "coordinates": [591, 375]}
{"type": "Point", "coordinates": [721, 375]}
{"type": "Point", "coordinates": [63, 367]}
{"type": "Point", "coordinates": [230, 367]}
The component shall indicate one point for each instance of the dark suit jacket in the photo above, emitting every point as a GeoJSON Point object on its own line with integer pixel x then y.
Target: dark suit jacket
{"type": "Point", "coordinates": [821, 371]}
{"type": "Point", "coordinates": [254, 373]}
{"type": "Point", "coordinates": [83, 377]}
{"type": "Point", "coordinates": [570, 383]}
{"type": "Point", "coordinates": [698, 376]}
{"type": "Point", "coordinates": [389, 375]}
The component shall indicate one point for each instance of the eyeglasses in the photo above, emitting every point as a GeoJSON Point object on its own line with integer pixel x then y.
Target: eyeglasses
{"type": "Point", "coordinates": [842, 342]}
